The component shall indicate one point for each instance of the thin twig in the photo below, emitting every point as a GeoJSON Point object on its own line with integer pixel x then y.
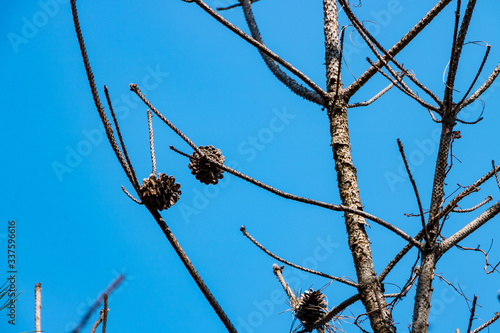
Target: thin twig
{"type": "Point", "coordinates": [369, 39]}
{"type": "Point", "coordinates": [233, 6]}
{"type": "Point", "coordinates": [192, 270]}
{"type": "Point", "coordinates": [120, 138]}
{"type": "Point", "coordinates": [470, 228]}
{"type": "Point", "coordinates": [460, 292]}
{"type": "Point", "coordinates": [277, 270]}
{"type": "Point", "coordinates": [98, 322]}
{"type": "Point", "coordinates": [136, 89]}
{"type": "Point", "coordinates": [496, 175]}
{"type": "Point", "coordinates": [131, 196]}
{"type": "Point", "coordinates": [480, 70]}
{"type": "Point", "coordinates": [398, 257]}
{"type": "Point", "coordinates": [470, 189]}
{"type": "Point", "coordinates": [38, 307]}
{"type": "Point", "coordinates": [488, 323]}
{"type": "Point", "coordinates": [373, 99]}
{"type": "Point", "coordinates": [151, 142]}
{"type": "Point", "coordinates": [472, 313]}
{"type": "Point", "coordinates": [489, 81]}
{"type": "Point", "coordinates": [97, 303]}
{"type": "Point", "coordinates": [457, 51]}
{"type": "Point", "coordinates": [486, 263]}
{"type": "Point", "coordinates": [97, 101]}
{"type": "Point", "coordinates": [260, 246]}
{"type": "Point", "coordinates": [261, 47]}
{"type": "Point", "coordinates": [105, 313]}
{"type": "Point", "coordinates": [400, 45]}
{"type": "Point", "coordinates": [314, 202]}
{"type": "Point", "coordinates": [398, 82]}
{"type": "Point", "coordinates": [468, 210]}
{"type": "Point", "coordinates": [415, 189]}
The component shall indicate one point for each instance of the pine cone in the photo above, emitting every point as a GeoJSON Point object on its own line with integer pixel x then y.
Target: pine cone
{"type": "Point", "coordinates": [312, 306]}
{"type": "Point", "coordinates": [160, 193]}
{"type": "Point", "coordinates": [205, 171]}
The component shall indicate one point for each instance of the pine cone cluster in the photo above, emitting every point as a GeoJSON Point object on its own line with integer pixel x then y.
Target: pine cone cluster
{"type": "Point", "coordinates": [205, 171]}
{"type": "Point", "coordinates": [312, 306]}
{"type": "Point", "coordinates": [160, 193]}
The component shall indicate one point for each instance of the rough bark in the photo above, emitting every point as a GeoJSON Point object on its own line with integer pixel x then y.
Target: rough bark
{"type": "Point", "coordinates": [429, 256]}
{"type": "Point", "coordinates": [370, 288]}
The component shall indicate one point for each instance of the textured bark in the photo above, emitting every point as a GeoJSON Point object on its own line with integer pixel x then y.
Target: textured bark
{"type": "Point", "coordinates": [429, 257]}
{"type": "Point", "coordinates": [370, 288]}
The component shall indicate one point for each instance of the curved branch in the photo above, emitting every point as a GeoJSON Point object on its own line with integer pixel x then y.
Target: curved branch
{"type": "Point", "coordinates": [261, 47]}
{"type": "Point", "coordinates": [401, 150]}
{"type": "Point", "coordinates": [272, 255]}
{"type": "Point", "coordinates": [472, 188]}
{"type": "Point", "coordinates": [470, 228]}
{"type": "Point", "coordinates": [272, 65]}
{"type": "Point", "coordinates": [339, 208]}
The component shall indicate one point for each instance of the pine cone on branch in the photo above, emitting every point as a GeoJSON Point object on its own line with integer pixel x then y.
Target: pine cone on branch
{"type": "Point", "coordinates": [160, 193]}
{"type": "Point", "coordinates": [205, 171]}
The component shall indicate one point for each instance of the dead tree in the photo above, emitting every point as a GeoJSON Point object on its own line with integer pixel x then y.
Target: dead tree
{"type": "Point", "coordinates": [159, 191]}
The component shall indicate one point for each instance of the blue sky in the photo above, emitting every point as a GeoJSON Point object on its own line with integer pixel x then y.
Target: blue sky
{"type": "Point", "coordinates": [76, 231]}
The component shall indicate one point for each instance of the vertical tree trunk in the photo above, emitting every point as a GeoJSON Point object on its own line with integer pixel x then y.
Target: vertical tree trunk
{"type": "Point", "coordinates": [429, 256]}
{"type": "Point", "coordinates": [370, 288]}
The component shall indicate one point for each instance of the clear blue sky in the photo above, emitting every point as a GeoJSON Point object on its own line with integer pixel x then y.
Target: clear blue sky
{"type": "Point", "coordinates": [76, 230]}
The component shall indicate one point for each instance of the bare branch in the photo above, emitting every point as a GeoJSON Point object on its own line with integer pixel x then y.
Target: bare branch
{"type": "Point", "coordinates": [38, 307]}
{"type": "Point", "coordinates": [131, 196]}
{"type": "Point", "coordinates": [469, 228]}
{"type": "Point", "coordinates": [472, 188]}
{"type": "Point", "coordinates": [488, 323]}
{"type": "Point", "coordinates": [261, 47]}
{"type": "Point", "coordinates": [408, 171]}
{"type": "Point", "coordinates": [489, 81]}
{"type": "Point", "coordinates": [105, 313]}
{"type": "Point", "coordinates": [192, 270]}
{"type": "Point", "coordinates": [373, 99]}
{"type": "Point", "coordinates": [136, 89]}
{"type": "Point", "coordinates": [314, 202]}
{"type": "Point", "coordinates": [402, 43]}
{"type": "Point", "coordinates": [398, 257]}
{"type": "Point", "coordinates": [486, 263]}
{"type": "Point", "coordinates": [98, 322]}
{"type": "Point", "coordinates": [272, 65]}
{"type": "Point", "coordinates": [468, 210]}
{"type": "Point", "coordinates": [496, 175]}
{"type": "Point", "coordinates": [233, 6]}
{"type": "Point", "coordinates": [136, 184]}
{"type": "Point", "coordinates": [480, 70]}
{"type": "Point", "coordinates": [277, 270]}
{"type": "Point", "coordinates": [97, 303]}
{"type": "Point", "coordinates": [458, 43]}
{"type": "Point", "coordinates": [151, 142]}
{"type": "Point", "coordinates": [398, 82]}
{"type": "Point", "coordinates": [260, 246]}
{"type": "Point", "coordinates": [97, 101]}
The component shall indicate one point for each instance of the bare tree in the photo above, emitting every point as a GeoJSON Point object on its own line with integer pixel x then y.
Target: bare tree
{"type": "Point", "coordinates": [159, 191]}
